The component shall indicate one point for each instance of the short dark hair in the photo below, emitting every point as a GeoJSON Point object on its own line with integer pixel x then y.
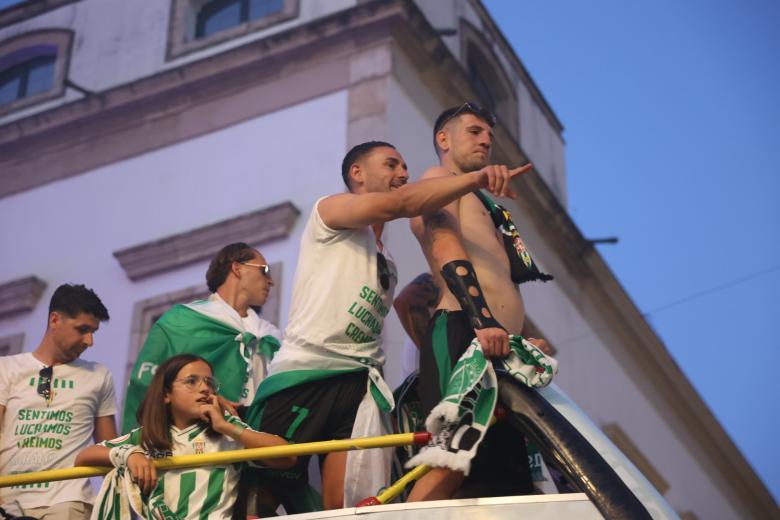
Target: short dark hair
{"type": "Point", "coordinates": [466, 108]}
{"type": "Point", "coordinates": [356, 153]}
{"type": "Point", "coordinates": [74, 299]}
{"type": "Point", "coordinates": [222, 263]}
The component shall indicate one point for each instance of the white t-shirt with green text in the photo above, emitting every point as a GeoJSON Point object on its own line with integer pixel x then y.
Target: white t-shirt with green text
{"type": "Point", "coordinates": [38, 435]}
{"type": "Point", "coordinates": [338, 301]}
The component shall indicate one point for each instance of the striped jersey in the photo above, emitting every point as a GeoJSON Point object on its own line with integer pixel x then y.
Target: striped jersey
{"type": "Point", "coordinates": [194, 493]}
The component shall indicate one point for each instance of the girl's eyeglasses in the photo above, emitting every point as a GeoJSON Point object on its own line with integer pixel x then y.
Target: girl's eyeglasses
{"type": "Point", "coordinates": [193, 382]}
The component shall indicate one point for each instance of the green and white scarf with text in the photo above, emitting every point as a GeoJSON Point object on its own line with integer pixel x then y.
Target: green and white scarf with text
{"type": "Point", "coordinates": [459, 422]}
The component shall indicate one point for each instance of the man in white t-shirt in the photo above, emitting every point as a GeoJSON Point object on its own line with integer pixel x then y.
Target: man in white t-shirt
{"type": "Point", "coordinates": [52, 404]}
{"type": "Point", "coordinates": [330, 361]}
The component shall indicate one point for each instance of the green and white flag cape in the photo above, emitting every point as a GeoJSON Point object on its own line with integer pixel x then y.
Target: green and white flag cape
{"type": "Point", "coordinates": [213, 330]}
{"type": "Point", "coordinates": [459, 422]}
{"type": "Point", "coordinates": [368, 471]}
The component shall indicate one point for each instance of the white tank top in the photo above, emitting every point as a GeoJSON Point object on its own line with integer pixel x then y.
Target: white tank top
{"type": "Point", "coordinates": [338, 302]}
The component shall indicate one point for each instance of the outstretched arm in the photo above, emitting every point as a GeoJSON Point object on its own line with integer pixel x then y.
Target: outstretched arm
{"type": "Point", "coordinates": [352, 211]}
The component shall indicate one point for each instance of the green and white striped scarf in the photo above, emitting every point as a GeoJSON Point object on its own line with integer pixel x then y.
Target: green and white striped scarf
{"type": "Point", "coordinates": [459, 422]}
{"type": "Point", "coordinates": [120, 495]}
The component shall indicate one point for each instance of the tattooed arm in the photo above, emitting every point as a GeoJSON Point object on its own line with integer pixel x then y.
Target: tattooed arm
{"type": "Point", "coordinates": [414, 305]}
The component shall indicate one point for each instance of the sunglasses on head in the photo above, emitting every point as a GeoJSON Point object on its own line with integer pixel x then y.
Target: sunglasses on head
{"type": "Point", "coordinates": [44, 382]}
{"type": "Point", "coordinates": [470, 108]}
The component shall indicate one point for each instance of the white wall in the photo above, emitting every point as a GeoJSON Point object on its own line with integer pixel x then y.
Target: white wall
{"type": "Point", "coordinates": [542, 143]}
{"type": "Point", "coordinates": [67, 231]}
{"type": "Point", "coordinates": [118, 41]}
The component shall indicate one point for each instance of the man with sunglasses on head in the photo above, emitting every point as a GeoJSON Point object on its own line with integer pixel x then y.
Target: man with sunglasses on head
{"type": "Point", "coordinates": [326, 382]}
{"type": "Point", "coordinates": [224, 329]}
{"type": "Point", "coordinates": [477, 259]}
{"type": "Point", "coordinates": [52, 404]}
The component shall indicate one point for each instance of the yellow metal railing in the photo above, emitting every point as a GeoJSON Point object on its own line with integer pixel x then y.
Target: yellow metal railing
{"type": "Point", "coordinates": [227, 457]}
{"type": "Point", "coordinates": [416, 473]}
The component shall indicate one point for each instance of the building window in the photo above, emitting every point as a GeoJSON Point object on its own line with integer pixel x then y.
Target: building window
{"type": "Point", "coordinates": [33, 68]}
{"type": "Point", "coordinates": [479, 81]}
{"type": "Point", "coordinates": [28, 78]}
{"type": "Point", "coordinates": [488, 78]}
{"type": "Point", "coordinates": [197, 24]}
{"type": "Point", "coordinates": [219, 15]}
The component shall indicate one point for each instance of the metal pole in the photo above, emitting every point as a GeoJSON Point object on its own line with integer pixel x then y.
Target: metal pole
{"type": "Point", "coordinates": [228, 457]}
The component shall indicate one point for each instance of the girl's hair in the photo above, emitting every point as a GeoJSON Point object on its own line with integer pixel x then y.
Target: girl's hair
{"type": "Point", "coordinates": [153, 414]}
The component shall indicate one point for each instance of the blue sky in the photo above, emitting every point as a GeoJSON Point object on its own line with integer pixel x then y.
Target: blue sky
{"type": "Point", "coordinates": [672, 117]}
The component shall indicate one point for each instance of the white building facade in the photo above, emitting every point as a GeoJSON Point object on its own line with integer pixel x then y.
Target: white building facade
{"type": "Point", "coordinates": [137, 138]}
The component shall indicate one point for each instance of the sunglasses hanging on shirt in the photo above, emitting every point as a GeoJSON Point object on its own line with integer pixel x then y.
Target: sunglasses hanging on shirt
{"type": "Point", "coordinates": [383, 271]}
{"type": "Point", "coordinates": [44, 383]}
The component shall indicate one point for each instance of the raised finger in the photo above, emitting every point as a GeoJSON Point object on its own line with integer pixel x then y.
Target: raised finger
{"type": "Point", "coordinates": [521, 170]}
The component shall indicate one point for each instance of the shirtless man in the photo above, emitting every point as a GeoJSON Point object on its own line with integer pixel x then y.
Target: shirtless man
{"type": "Point", "coordinates": [476, 270]}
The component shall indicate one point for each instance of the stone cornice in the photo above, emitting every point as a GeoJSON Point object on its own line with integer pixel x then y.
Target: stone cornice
{"type": "Point", "coordinates": [20, 295]}
{"type": "Point", "coordinates": [24, 10]}
{"type": "Point", "coordinates": [197, 98]}
{"type": "Point", "coordinates": [254, 228]}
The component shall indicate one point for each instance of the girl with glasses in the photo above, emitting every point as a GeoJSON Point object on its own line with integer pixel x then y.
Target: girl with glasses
{"type": "Point", "coordinates": [179, 415]}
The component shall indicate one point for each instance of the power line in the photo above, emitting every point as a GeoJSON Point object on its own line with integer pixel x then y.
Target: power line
{"type": "Point", "coordinates": [711, 290]}
{"type": "Point", "coordinates": [682, 300]}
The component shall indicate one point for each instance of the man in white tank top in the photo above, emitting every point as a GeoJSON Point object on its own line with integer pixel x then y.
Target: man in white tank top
{"type": "Point", "coordinates": [331, 356]}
